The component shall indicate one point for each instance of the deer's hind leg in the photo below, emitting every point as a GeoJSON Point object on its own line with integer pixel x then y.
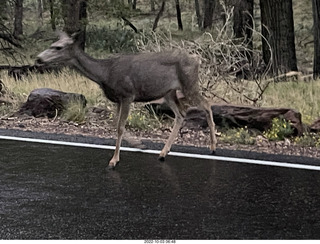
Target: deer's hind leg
{"type": "Point", "coordinates": [173, 102]}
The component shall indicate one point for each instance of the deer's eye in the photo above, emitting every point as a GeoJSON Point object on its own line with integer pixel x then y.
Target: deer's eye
{"type": "Point", "coordinates": [56, 48]}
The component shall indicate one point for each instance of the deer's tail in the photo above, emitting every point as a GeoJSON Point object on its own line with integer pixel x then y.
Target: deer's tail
{"type": "Point", "coordinates": [188, 74]}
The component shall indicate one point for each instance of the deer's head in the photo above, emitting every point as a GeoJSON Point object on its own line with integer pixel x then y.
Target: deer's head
{"type": "Point", "coordinates": [59, 52]}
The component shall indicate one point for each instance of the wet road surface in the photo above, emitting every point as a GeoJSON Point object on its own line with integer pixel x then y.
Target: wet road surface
{"type": "Point", "coordinates": [64, 192]}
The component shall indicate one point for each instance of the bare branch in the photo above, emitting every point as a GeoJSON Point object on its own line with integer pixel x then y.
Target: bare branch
{"type": "Point", "coordinates": [130, 24]}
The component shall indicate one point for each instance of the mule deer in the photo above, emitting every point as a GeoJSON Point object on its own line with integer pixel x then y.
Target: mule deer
{"type": "Point", "coordinates": [137, 78]}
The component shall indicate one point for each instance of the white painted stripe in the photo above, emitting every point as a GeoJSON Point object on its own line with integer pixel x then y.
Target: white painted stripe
{"type": "Point", "coordinates": [177, 154]}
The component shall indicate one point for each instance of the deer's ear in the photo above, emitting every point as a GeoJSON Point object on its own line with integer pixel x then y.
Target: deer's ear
{"type": "Point", "coordinates": [75, 36]}
{"type": "Point", "coordinates": [62, 35]}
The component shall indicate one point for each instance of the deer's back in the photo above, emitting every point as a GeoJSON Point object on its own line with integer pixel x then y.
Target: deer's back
{"type": "Point", "coordinates": [150, 76]}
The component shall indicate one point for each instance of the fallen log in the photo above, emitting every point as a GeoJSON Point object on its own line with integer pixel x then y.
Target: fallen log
{"type": "Point", "coordinates": [236, 116]}
{"type": "Point", "coordinates": [18, 72]}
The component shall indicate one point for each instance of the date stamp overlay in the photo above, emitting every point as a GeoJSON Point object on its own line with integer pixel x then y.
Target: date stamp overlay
{"type": "Point", "coordinates": [159, 241]}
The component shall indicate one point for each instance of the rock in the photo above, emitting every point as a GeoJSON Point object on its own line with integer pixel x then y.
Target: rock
{"type": "Point", "coordinates": [239, 116]}
{"type": "Point", "coordinates": [315, 127]}
{"type": "Point", "coordinates": [261, 141]}
{"type": "Point", "coordinates": [4, 100]}
{"type": "Point", "coordinates": [49, 102]}
{"type": "Point", "coordinates": [287, 142]}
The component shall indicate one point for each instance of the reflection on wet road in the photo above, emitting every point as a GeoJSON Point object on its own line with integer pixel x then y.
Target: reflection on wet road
{"type": "Point", "coordinates": [61, 192]}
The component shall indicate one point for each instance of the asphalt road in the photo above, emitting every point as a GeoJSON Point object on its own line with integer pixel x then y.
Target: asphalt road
{"type": "Point", "coordinates": [64, 192]}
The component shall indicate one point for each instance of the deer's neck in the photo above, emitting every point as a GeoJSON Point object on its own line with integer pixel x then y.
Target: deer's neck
{"type": "Point", "coordinates": [94, 69]}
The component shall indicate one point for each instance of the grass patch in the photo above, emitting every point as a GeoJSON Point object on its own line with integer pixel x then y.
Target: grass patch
{"type": "Point", "coordinates": [140, 119]}
{"type": "Point", "coordinates": [302, 96]}
{"type": "Point", "coordinates": [74, 112]}
{"type": "Point", "coordinates": [17, 92]}
{"type": "Point", "coordinates": [67, 81]}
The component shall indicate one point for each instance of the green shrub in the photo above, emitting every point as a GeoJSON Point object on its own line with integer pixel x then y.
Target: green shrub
{"type": "Point", "coordinates": [308, 139]}
{"type": "Point", "coordinates": [238, 136]}
{"type": "Point", "coordinates": [280, 129]}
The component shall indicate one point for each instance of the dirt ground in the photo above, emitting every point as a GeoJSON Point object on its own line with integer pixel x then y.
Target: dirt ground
{"type": "Point", "coordinates": [97, 125]}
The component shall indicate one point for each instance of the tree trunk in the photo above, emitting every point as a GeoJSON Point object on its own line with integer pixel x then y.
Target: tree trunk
{"type": "Point", "coordinates": [242, 27]}
{"type": "Point", "coordinates": [40, 9]}
{"type": "Point", "coordinates": [83, 18]}
{"type": "Point", "coordinates": [278, 30]}
{"type": "Point", "coordinates": [75, 18]}
{"type": "Point", "coordinates": [70, 13]}
{"type": "Point", "coordinates": [208, 13]}
{"type": "Point", "coordinates": [243, 20]}
{"type": "Point", "coordinates": [152, 6]}
{"type": "Point", "coordinates": [316, 34]}
{"type": "Point", "coordinates": [52, 15]}
{"type": "Point", "coordinates": [155, 24]}
{"type": "Point", "coordinates": [3, 11]}
{"type": "Point", "coordinates": [180, 26]}
{"type": "Point", "coordinates": [198, 13]}
{"type": "Point", "coordinates": [134, 4]}
{"type": "Point", "coordinates": [18, 16]}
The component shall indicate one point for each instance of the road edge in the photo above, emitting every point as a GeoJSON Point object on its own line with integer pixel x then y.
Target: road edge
{"type": "Point", "coordinates": [242, 154]}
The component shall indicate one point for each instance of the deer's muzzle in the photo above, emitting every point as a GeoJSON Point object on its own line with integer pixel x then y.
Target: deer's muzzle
{"type": "Point", "coordinates": [39, 62]}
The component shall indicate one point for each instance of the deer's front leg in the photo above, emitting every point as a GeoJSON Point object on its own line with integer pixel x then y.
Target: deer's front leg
{"type": "Point", "coordinates": [173, 103]}
{"type": "Point", "coordinates": [124, 108]}
{"type": "Point", "coordinates": [177, 125]}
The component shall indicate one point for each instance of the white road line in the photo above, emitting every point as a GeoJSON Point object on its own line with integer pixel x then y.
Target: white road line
{"type": "Point", "coordinates": [177, 154]}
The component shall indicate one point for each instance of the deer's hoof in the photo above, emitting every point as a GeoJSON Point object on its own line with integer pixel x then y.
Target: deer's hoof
{"type": "Point", "coordinates": [112, 165]}
{"type": "Point", "coordinates": [213, 152]}
{"type": "Point", "coordinates": [161, 158]}
{"type": "Point", "coordinates": [162, 155]}
{"type": "Point", "coordinates": [213, 147]}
